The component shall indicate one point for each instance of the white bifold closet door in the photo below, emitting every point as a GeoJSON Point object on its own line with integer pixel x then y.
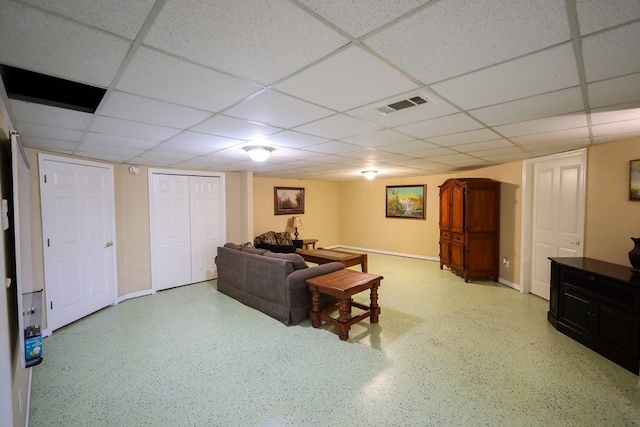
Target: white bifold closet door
{"type": "Point", "coordinates": [186, 229]}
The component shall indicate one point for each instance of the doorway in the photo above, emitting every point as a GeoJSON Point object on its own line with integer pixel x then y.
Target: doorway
{"type": "Point", "coordinates": [553, 213]}
{"type": "Point", "coordinates": [187, 217]}
{"type": "Point", "coordinates": [78, 231]}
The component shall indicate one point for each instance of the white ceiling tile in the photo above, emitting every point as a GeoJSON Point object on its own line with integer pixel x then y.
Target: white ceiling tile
{"type": "Point", "coordinates": [48, 132]}
{"type": "Point", "coordinates": [156, 75]}
{"type": "Point", "coordinates": [48, 44]}
{"type": "Point", "coordinates": [458, 36]}
{"type": "Point", "coordinates": [543, 125]}
{"type": "Point", "coordinates": [204, 140]}
{"type": "Point", "coordinates": [557, 146]}
{"type": "Point", "coordinates": [611, 116]}
{"type": "Point", "coordinates": [334, 147]}
{"type": "Point", "coordinates": [347, 80]}
{"type": "Point", "coordinates": [483, 146]}
{"type": "Point", "coordinates": [234, 128]}
{"type": "Point", "coordinates": [595, 15]}
{"type": "Point", "coordinates": [498, 152]}
{"type": "Point", "coordinates": [536, 107]}
{"type": "Point", "coordinates": [612, 138]}
{"type": "Point", "coordinates": [475, 162]}
{"type": "Point", "coordinates": [628, 127]}
{"type": "Point", "coordinates": [407, 147]}
{"type": "Point", "coordinates": [121, 153]}
{"type": "Point", "coordinates": [102, 139]}
{"type": "Point", "coordinates": [213, 34]}
{"type": "Point", "coordinates": [138, 109]}
{"type": "Point", "coordinates": [50, 144]}
{"type": "Point", "coordinates": [433, 152]}
{"type": "Point", "coordinates": [506, 158]}
{"type": "Point", "coordinates": [122, 17]}
{"type": "Point", "coordinates": [111, 126]}
{"type": "Point", "coordinates": [378, 138]}
{"type": "Point", "coordinates": [360, 18]}
{"type": "Point", "coordinates": [441, 126]}
{"type": "Point", "coordinates": [614, 91]}
{"type": "Point", "coordinates": [551, 137]}
{"type": "Point", "coordinates": [45, 115]}
{"type": "Point", "coordinates": [534, 74]}
{"type": "Point", "coordinates": [291, 139]}
{"type": "Point", "coordinates": [337, 127]}
{"type": "Point", "coordinates": [276, 109]}
{"type": "Point", "coordinates": [607, 54]}
{"type": "Point", "coordinates": [478, 135]}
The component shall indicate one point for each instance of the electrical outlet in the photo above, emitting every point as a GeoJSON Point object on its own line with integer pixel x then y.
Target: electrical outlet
{"type": "Point", "coordinates": [505, 261]}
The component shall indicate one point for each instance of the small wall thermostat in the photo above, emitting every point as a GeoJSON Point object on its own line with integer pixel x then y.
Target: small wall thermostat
{"type": "Point", "coordinates": [134, 170]}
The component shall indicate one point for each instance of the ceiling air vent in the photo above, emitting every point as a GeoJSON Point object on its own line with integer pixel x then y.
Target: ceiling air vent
{"type": "Point", "coordinates": [405, 103]}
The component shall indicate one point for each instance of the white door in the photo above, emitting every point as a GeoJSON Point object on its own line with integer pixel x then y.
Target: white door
{"type": "Point", "coordinates": [205, 226]}
{"type": "Point", "coordinates": [171, 252]}
{"type": "Point", "coordinates": [558, 215]}
{"type": "Point", "coordinates": [78, 226]}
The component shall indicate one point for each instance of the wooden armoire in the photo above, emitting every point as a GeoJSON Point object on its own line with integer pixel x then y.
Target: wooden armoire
{"type": "Point", "coordinates": [470, 227]}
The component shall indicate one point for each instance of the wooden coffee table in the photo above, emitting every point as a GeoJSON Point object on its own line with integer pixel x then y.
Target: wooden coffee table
{"type": "Point", "coordinates": [323, 256]}
{"type": "Point", "coordinates": [343, 285]}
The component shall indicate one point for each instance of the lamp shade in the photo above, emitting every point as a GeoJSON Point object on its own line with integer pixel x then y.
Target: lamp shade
{"type": "Point", "coordinates": [369, 174]}
{"type": "Point", "coordinates": [296, 222]}
{"type": "Point", "coordinates": [258, 153]}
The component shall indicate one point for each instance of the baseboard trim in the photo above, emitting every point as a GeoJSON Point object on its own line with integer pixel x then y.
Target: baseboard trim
{"type": "Point", "coordinates": [27, 407]}
{"type": "Point", "coordinates": [428, 258]}
{"type": "Point", "coordinates": [132, 295]}
{"type": "Point", "coordinates": [378, 251]}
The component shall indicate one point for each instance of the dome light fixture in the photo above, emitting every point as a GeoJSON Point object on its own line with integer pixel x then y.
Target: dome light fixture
{"type": "Point", "coordinates": [258, 153]}
{"type": "Point", "coordinates": [369, 174]}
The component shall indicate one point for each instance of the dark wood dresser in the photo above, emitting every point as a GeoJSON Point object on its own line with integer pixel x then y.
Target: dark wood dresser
{"type": "Point", "coordinates": [597, 304]}
{"type": "Point", "coordinates": [470, 227]}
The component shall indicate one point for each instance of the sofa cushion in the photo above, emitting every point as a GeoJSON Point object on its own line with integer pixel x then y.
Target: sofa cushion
{"type": "Point", "coordinates": [233, 246]}
{"type": "Point", "coordinates": [273, 238]}
{"type": "Point", "coordinates": [296, 260]}
{"type": "Point", "coordinates": [251, 250]}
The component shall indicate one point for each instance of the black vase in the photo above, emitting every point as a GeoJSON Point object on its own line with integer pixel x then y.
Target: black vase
{"type": "Point", "coordinates": [634, 255]}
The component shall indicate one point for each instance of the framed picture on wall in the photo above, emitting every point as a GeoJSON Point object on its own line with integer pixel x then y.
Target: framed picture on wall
{"type": "Point", "coordinates": [406, 201]}
{"type": "Point", "coordinates": [634, 180]}
{"type": "Point", "coordinates": [288, 200]}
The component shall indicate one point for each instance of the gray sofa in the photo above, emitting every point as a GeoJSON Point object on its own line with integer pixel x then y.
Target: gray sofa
{"type": "Point", "coordinates": [273, 283]}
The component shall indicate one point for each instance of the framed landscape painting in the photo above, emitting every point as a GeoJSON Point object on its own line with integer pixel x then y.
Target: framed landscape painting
{"type": "Point", "coordinates": [634, 180]}
{"type": "Point", "coordinates": [406, 201]}
{"type": "Point", "coordinates": [288, 200]}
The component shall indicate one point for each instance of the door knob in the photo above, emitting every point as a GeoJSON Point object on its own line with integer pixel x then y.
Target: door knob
{"type": "Point", "coordinates": [109, 244]}
{"type": "Point", "coordinates": [576, 243]}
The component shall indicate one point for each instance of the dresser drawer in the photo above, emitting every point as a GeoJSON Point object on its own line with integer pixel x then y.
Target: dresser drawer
{"type": "Point", "coordinates": [445, 234]}
{"type": "Point", "coordinates": [457, 237]}
{"type": "Point", "coordinates": [625, 297]}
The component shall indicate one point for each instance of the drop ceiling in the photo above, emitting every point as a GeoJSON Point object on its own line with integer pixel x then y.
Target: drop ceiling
{"type": "Point", "coordinates": [189, 84]}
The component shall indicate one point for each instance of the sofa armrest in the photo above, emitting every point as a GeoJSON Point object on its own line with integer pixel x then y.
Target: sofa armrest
{"type": "Point", "coordinates": [297, 279]}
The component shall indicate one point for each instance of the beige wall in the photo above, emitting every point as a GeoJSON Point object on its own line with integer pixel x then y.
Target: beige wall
{"type": "Point", "coordinates": [321, 217]}
{"type": "Point", "coordinates": [363, 223]}
{"type": "Point", "coordinates": [611, 218]}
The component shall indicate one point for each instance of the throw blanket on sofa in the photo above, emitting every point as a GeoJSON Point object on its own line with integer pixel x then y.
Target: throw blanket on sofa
{"type": "Point", "coordinates": [275, 242]}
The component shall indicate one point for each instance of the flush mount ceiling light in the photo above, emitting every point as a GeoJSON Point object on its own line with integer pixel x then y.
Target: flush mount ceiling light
{"type": "Point", "coordinates": [258, 153]}
{"type": "Point", "coordinates": [369, 174]}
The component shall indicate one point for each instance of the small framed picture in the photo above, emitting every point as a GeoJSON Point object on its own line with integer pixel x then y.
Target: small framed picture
{"type": "Point", "coordinates": [288, 200]}
{"type": "Point", "coordinates": [406, 201]}
{"type": "Point", "coordinates": [634, 180]}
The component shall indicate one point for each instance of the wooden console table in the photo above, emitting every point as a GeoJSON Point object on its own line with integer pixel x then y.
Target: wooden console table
{"type": "Point", "coordinates": [597, 304]}
{"type": "Point", "coordinates": [342, 285]}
